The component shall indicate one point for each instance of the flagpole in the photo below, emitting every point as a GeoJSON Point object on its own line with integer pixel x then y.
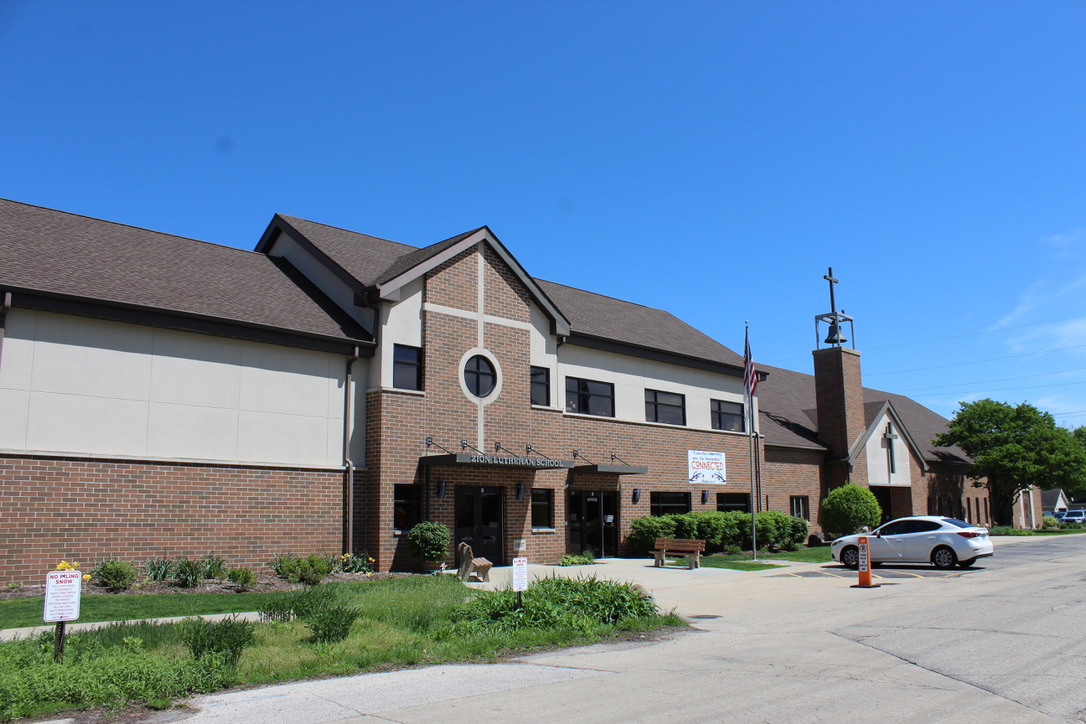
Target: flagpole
{"type": "Point", "coordinates": [750, 384]}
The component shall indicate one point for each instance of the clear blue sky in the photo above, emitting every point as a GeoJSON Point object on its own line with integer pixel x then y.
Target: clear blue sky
{"type": "Point", "coordinates": [708, 158]}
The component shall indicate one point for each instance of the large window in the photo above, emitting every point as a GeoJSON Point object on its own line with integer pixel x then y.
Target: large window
{"type": "Point", "coordinates": [801, 506]}
{"type": "Point", "coordinates": [406, 367]}
{"type": "Point", "coordinates": [727, 415]}
{"type": "Point", "coordinates": [542, 508]}
{"type": "Point", "coordinates": [479, 376]}
{"type": "Point", "coordinates": [666, 407]}
{"type": "Point", "coordinates": [405, 508]}
{"type": "Point", "coordinates": [668, 503]}
{"type": "Point", "coordinates": [541, 386]}
{"type": "Point", "coordinates": [589, 397]}
{"type": "Point", "coordinates": [727, 502]}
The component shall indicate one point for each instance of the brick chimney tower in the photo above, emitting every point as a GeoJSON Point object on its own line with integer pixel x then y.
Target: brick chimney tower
{"type": "Point", "coordinates": [839, 397]}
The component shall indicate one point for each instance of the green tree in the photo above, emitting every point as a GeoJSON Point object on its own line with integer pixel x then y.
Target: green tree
{"type": "Point", "coordinates": [847, 508]}
{"type": "Point", "coordinates": [1014, 448]}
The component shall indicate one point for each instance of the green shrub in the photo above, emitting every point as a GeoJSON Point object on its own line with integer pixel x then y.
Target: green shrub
{"type": "Point", "coordinates": [584, 559]}
{"type": "Point", "coordinates": [299, 604]}
{"type": "Point", "coordinates": [1050, 522]}
{"type": "Point", "coordinates": [1008, 530]}
{"type": "Point", "coordinates": [159, 569]}
{"type": "Point", "coordinates": [429, 541]}
{"type": "Point", "coordinates": [331, 624]}
{"type": "Point", "coordinates": [186, 572]}
{"type": "Point", "coordinates": [310, 570]}
{"type": "Point", "coordinates": [847, 508]}
{"type": "Point", "coordinates": [211, 566]}
{"type": "Point", "coordinates": [645, 530]}
{"type": "Point", "coordinates": [241, 577]}
{"type": "Point", "coordinates": [354, 563]}
{"type": "Point", "coordinates": [226, 638]}
{"type": "Point", "coordinates": [579, 604]}
{"type": "Point", "coordinates": [114, 574]}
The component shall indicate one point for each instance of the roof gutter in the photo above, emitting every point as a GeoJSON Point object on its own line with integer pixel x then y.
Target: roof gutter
{"type": "Point", "coordinates": [348, 493]}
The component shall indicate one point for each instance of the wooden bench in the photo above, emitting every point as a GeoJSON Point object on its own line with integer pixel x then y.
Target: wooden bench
{"type": "Point", "coordinates": [692, 549]}
{"type": "Point", "coordinates": [472, 566]}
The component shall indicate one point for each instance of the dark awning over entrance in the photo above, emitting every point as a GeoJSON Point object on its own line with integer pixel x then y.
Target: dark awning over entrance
{"type": "Point", "coordinates": [495, 461]}
{"type": "Point", "coordinates": [612, 469]}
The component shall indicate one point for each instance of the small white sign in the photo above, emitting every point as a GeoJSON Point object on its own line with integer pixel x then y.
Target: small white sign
{"type": "Point", "coordinates": [62, 589]}
{"type": "Point", "coordinates": [864, 562]}
{"type": "Point", "coordinates": [706, 467]}
{"type": "Point", "coordinates": [520, 574]}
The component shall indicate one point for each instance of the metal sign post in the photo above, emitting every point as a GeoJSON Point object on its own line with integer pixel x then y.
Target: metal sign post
{"type": "Point", "coordinates": [62, 589]}
{"type": "Point", "coordinates": [520, 579]}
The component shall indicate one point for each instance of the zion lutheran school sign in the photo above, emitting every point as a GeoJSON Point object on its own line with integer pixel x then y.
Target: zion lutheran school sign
{"type": "Point", "coordinates": [509, 461]}
{"type": "Point", "coordinates": [706, 467]}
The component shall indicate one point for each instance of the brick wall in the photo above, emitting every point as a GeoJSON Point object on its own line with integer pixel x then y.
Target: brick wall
{"type": "Point", "coordinates": [91, 509]}
{"type": "Point", "coordinates": [399, 422]}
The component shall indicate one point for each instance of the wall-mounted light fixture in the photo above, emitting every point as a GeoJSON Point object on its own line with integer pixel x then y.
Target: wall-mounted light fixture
{"type": "Point", "coordinates": [441, 488]}
{"type": "Point", "coordinates": [636, 495]}
{"type": "Point", "coordinates": [520, 491]}
{"type": "Point", "coordinates": [704, 497]}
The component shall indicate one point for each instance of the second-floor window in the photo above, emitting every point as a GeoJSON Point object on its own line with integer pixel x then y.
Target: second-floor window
{"type": "Point", "coordinates": [665, 407]}
{"type": "Point", "coordinates": [406, 367]}
{"type": "Point", "coordinates": [590, 397]}
{"type": "Point", "coordinates": [541, 386]}
{"type": "Point", "coordinates": [727, 415]}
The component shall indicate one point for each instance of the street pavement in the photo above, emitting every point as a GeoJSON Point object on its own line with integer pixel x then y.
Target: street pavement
{"type": "Point", "coordinates": [997, 643]}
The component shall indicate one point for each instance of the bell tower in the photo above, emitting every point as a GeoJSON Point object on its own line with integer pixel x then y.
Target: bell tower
{"type": "Point", "coordinates": [839, 395]}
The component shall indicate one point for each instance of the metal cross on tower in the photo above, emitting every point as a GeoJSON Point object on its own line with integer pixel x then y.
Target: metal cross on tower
{"type": "Point", "coordinates": [834, 318]}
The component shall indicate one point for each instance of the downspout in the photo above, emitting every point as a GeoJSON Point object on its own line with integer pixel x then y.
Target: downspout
{"type": "Point", "coordinates": [4, 308]}
{"type": "Point", "coordinates": [349, 492]}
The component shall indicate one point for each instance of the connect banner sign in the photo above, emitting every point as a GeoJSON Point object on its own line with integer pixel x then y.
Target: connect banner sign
{"type": "Point", "coordinates": [706, 467]}
{"type": "Point", "coordinates": [62, 589]}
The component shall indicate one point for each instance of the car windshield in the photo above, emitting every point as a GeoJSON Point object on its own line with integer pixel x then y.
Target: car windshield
{"type": "Point", "coordinates": [959, 523]}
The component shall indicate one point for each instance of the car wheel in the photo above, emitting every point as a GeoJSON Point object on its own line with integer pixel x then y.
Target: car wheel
{"type": "Point", "coordinates": [850, 557]}
{"type": "Point", "coordinates": [967, 564]}
{"type": "Point", "coordinates": [943, 557]}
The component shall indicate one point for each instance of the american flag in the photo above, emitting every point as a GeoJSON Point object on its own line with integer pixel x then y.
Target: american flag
{"type": "Point", "coordinates": [750, 375]}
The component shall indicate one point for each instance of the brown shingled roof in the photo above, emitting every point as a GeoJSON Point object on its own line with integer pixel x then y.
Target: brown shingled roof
{"type": "Point", "coordinates": [786, 401]}
{"type": "Point", "coordinates": [614, 319]}
{"type": "Point", "coordinates": [58, 254]}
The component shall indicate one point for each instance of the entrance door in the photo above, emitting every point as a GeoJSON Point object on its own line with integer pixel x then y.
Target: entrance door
{"type": "Point", "coordinates": [593, 522]}
{"type": "Point", "coordinates": [883, 495]}
{"type": "Point", "coordinates": [478, 521]}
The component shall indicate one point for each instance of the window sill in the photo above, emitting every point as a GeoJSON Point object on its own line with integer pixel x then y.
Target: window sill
{"type": "Point", "coordinates": [543, 530]}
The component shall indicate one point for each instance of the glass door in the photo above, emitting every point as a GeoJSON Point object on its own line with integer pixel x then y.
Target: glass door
{"type": "Point", "coordinates": [478, 521]}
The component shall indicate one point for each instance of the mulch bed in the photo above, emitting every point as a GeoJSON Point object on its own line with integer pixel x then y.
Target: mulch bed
{"type": "Point", "coordinates": [264, 584]}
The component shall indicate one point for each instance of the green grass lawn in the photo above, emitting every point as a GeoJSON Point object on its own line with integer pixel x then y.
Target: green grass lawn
{"type": "Point", "coordinates": [20, 612]}
{"type": "Point", "coordinates": [743, 562]}
{"type": "Point", "coordinates": [396, 623]}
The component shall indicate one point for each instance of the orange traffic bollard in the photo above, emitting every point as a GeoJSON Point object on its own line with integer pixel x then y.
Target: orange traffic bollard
{"type": "Point", "coordinates": [864, 567]}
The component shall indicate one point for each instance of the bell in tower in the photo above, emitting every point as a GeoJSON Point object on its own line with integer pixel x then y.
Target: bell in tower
{"type": "Point", "coordinates": [834, 337]}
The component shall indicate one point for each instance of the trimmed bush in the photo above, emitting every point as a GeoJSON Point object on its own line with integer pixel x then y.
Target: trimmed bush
{"type": "Point", "coordinates": [644, 531]}
{"type": "Point", "coordinates": [1050, 522]}
{"type": "Point", "coordinates": [429, 540]}
{"type": "Point", "coordinates": [848, 508]}
{"type": "Point", "coordinates": [721, 531]}
{"type": "Point", "coordinates": [114, 574]}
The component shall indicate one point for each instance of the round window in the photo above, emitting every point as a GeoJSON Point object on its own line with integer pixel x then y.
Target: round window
{"type": "Point", "coordinates": [479, 376]}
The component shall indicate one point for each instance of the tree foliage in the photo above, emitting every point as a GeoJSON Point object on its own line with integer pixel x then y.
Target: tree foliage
{"type": "Point", "coordinates": [1014, 448]}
